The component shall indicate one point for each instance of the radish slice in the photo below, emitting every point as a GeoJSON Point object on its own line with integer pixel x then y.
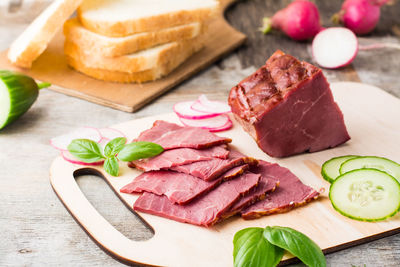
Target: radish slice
{"type": "Point", "coordinates": [203, 104]}
{"type": "Point", "coordinates": [184, 110]}
{"type": "Point", "coordinates": [61, 142]}
{"type": "Point", "coordinates": [227, 126]}
{"type": "Point", "coordinates": [110, 133]}
{"type": "Point", "coordinates": [70, 158]}
{"type": "Point", "coordinates": [215, 124]}
{"type": "Point", "coordinates": [334, 47]}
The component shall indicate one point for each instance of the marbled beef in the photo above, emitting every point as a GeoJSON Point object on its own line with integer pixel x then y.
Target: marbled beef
{"type": "Point", "coordinates": [170, 135]}
{"type": "Point", "coordinates": [290, 193]}
{"type": "Point", "coordinates": [288, 108]}
{"type": "Point", "coordinates": [179, 156]}
{"type": "Point", "coordinates": [205, 210]}
{"type": "Point", "coordinates": [212, 169]}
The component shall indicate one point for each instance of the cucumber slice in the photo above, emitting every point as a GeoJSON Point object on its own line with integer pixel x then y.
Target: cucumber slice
{"type": "Point", "coordinates": [372, 162]}
{"type": "Point", "coordinates": [330, 168]}
{"type": "Point", "coordinates": [17, 94]}
{"type": "Point", "coordinates": [365, 195]}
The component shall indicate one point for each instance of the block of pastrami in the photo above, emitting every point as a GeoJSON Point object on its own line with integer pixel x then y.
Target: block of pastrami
{"type": "Point", "coordinates": [288, 108]}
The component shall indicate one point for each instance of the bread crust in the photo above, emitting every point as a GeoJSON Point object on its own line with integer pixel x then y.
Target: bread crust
{"type": "Point", "coordinates": [35, 38]}
{"type": "Point", "coordinates": [96, 44]}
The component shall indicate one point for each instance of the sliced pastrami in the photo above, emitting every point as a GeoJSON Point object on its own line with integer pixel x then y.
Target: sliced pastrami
{"type": "Point", "coordinates": [180, 188]}
{"type": "Point", "coordinates": [290, 193]}
{"type": "Point", "coordinates": [170, 136]}
{"type": "Point", "coordinates": [205, 210]}
{"type": "Point", "coordinates": [234, 172]}
{"type": "Point", "coordinates": [212, 169]}
{"type": "Point", "coordinates": [179, 156]}
{"type": "Point", "coordinates": [288, 108]}
{"type": "Point", "coordinates": [267, 184]}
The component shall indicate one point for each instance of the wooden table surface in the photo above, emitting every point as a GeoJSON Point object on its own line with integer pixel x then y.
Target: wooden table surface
{"type": "Point", "coordinates": [36, 230]}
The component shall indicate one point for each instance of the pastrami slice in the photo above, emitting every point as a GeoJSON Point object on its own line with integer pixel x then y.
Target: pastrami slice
{"type": "Point", "coordinates": [234, 172]}
{"type": "Point", "coordinates": [288, 108]}
{"type": "Point", "coordinates": [179, 188]}
{"type": "Point", "coordinates": [180, 156]}
{"type": "Point", "coordinates": [290, 193]}
{"type": "Point", "coordinates": [205, 210]}
{"type": "Point", "coordinates": [214, 168]}
{"type": "Point", "coordinates": [170, 136]}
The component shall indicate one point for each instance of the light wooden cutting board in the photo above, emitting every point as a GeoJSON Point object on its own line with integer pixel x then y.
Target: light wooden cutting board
{"type": "Point", "coordinates": [51, 67]}
{"type": "Point", "coordinates": [372, 117]}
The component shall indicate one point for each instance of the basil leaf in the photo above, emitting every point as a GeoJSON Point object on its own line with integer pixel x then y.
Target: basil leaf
{"type": "Point", "coordinates": [139, 150]}
{"type": "Point", "coordinates": [114, 146]}
{"type": "Point", "coordinates": [296, 243]}
{"type": "Point", "coordinates": [111, 166]}
{"type": "Point", "coordinates": [250, 248]}
{"type": "Point", "coordinates": [86, 150]}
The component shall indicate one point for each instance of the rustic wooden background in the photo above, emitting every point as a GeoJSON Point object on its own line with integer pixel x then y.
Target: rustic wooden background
{"type": "Point", "coordinates": [35, 228]}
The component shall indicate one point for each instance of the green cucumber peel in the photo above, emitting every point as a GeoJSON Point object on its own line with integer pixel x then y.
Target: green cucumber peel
{"type": "Point", "coordinates": [264, 247]}
{"type": "Point", "coordinates": [90, 151]}
{"type": "Point", "coordinates": [18, 92]}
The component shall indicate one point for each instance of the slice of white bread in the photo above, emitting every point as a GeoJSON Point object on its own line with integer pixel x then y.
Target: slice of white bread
{"type": "Point", "coordinates": [152, 74]}
{"type": "Point", "coordinates": [126, 17]}
{"type": "Point", "coordinates": [35, 38]}
{"type": "Point", "coordinates": [96, 44]}
{"type": "Point", "coordinates": [135, 62]}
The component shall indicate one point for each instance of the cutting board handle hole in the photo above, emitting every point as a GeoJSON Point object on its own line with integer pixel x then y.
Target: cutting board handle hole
{"type": "Point", "coordinates": [109, 206]}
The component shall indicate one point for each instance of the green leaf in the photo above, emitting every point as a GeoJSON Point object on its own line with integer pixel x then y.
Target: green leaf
{"type": "Point", "coordinates": [139, 150]}
{"type": "Point", "coordinates": [86, 150]}
{"type": "Point", "coordinates": [296, 243]}
{"type": "Point", "coordinates": [114, 146]}
{"type": "Point", "coordinates": [250, 248]}
{"type": "Point", "coordinates": [111, 166]}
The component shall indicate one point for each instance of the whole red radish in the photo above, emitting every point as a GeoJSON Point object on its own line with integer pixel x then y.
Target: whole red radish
{"type": "Point", "coordinates": [360, 16]}
{"type": "Point", "coordinates": [299, 20]}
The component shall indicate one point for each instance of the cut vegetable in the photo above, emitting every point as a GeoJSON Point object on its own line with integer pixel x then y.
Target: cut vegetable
{"type": "Point", "coordinates": [70, 158]}
{"type": "Point", "coordinates": [215, 124]}
{"type": "Point", "coordinates": [330, 169]}
{"type": "Point", "coordinates": [17, 94]}
{"type": "Point", "coordinates": [203, 104]}
{"type": "Point", "coordinates": [372, 162]}
{"type": "Point", "coordinates": [366, 195]}
{"type": "Point", "coordinates": [334, 47]}
{"type": "Point", "coordinates": [110, 133]}
{"type": "Point", "coordinates": [61, 142]}
{"type": "Point", "coordinates": [184, 110]}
